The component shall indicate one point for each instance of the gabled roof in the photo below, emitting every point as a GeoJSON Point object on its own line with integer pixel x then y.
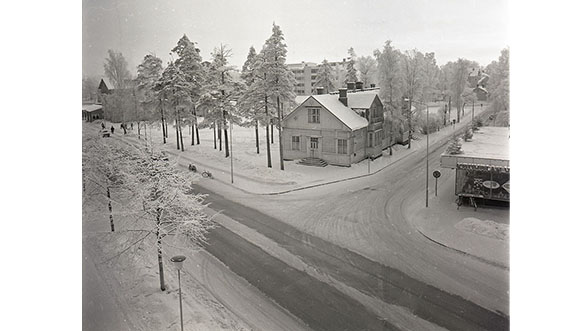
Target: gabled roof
{"type": "Point", "coordinates": [346, 115]}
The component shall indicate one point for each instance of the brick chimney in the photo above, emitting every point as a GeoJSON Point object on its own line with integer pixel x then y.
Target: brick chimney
{"type": "Point", "coordinates": [319, 90]}
{"type": "Point", "coordinates": [342, 96]}
{"type": "Point", "coordinates": [350, 86]}
{"type": "Point", "coordinates": [359, 86]}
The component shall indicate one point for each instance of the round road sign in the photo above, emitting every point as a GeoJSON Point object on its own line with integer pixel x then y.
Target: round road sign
{"type": "Point", "coordinates": [436, 174]}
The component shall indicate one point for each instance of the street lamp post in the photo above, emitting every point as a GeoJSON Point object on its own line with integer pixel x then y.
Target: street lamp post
{"type": "Point", "coordinates": [178, 260]}
{"type": "Point", "coordinates": [231, 133]}
{"type": "Point", "coordinates": [427, 151]}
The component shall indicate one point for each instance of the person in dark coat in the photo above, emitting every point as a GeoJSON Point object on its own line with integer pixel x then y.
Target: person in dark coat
{"type": "Point", "coordinates": [102, 126]}
{"type": "Point", "coordinates": [112, 129]}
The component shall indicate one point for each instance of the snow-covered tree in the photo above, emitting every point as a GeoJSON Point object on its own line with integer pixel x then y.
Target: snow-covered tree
{"type": "Point", "coordinates": [367, 67]}
{"type": "Point", "coordinates": [351, 73]}
{"type": "Point", "coordinates": [161, 204]}
{"type": "Point", "coordinates": [279, 79]}
{"type": "Point", "coordinates": [175, 89]}
{"type": "Point", "coordinates": [257, 95]}
{"type": "Point", "coordinates": [499, 86]}
{"type": "Point", "coordinates": [412, 68]}
{"type": "Point", "coordinates": [222, 93]}
{"type": "Point", "coordinates": [116, 69]}
{"type": "Point", "coordinates": [324, 77]}
{"type": "Point", "coordinates": [169, 207]}
{"type": "Point", "coordinates": [249, 104]}
{"type": "Point", "coordinates": [149, 72]}
{"type": "Point", "coordinates": [390, 84]}
{"type": "Point", "coordinates": [190, 63]}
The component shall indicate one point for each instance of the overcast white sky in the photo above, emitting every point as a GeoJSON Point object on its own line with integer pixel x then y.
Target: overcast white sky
{"type": "Point", "coordinates": [314, 30]}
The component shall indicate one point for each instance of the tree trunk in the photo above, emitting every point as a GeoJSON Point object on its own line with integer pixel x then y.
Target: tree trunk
{"type": "Point", "coordinates": [215, 134]}
{"type": "Point", "coordinates": [220, 134]}
{"type": "Point", "coordinates": [226, 133]}
{"type": "Point", "coordinates": [449, 108]}
{"type": "Point", "coordinates": [176, 126]}
{"type": "Point", "coordinates": [163, 120]}
{"type": "Point", "coordinates": [257, 135]}
{"type": "Point", "coordinates": [196, 126]}
{"type": "Point", "coordinates": [271, 121]}
{"type": "Point", "coordinates": [279, 133]}
{"type": "Point", "coordinates": [409, 115]}
{"type": "Point", "coordinates": [267, 135]}
{"type": "Point", "coordinates": [159, 249]}
{"type": "Point", "coordinates": [139, 133]}
{"type": "Point", "coordinates": [110, 210]}
{"type": "Point", "coordinates": [181, 140]}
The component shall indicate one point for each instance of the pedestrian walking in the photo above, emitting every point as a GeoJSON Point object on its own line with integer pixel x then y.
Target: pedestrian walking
{"type": "Point", "coordinates": [132, 126]}
{"type": "Point", "coordinates": [112, 128]}
{"type": "Point", "coordinates": [102, 125]}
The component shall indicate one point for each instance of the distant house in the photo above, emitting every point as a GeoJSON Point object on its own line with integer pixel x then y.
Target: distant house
{"type": "Point", "coordinates": [340, 129]}
{"type": "Point", "coordinates": [477, 80]}
{"type": "Point", "coordinates": [92, 112]}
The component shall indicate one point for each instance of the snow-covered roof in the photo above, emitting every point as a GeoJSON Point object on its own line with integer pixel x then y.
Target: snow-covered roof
{"type": "Point", "coordinates": [361, 100]}
{"type": "Point", "coordinates": [488, 142]}
{"type": "Point", "coordinates": [91, 107]}
{"type": "Point", "coordinates": [346, 115]}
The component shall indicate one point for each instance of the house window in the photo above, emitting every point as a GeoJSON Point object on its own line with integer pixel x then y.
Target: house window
{"type": "Point", "coordinates": [370, 139]}
{"type": "Point", "coordinates": [342, 146]}
{"type": "Point", "coordinates": [313, 115]}
{"type": "Point", "coordinates": [295, 143]}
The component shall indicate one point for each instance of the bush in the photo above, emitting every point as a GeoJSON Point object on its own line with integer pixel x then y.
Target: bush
{"type": "Point", "coordinates": [455, 147]}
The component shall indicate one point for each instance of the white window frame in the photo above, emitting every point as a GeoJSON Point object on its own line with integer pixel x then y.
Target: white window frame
{"type": "Point", "coordinates": [314, 117]}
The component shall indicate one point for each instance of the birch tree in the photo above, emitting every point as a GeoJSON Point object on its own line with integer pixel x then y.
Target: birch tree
{"type": "Point", "coordinates": [116, 69]}
{"type": "Point", "coordinates": [390, 83]}
{"type": "Point", "coordinates": [412, 68]}
{"type": "Point", "coordinates": [149, 73]}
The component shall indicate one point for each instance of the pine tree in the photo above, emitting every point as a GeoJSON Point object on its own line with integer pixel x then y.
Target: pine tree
{"type": "Point", "coordinates": [189, 62]}
{"type": "Point", "coordinates": [249, 105]}
{"type": "Point", "coordinates": [223, 93]}
{"type": "Point", "coordinates": [279, 79]}
{"type": "Point", "coordinates": [351, 76]}
{"type": "Point", "coordinates": [257, 95]}
{"type": "Point", "coordinates": [324, 78]}
{"type": "Point", "coordinates": [175, 88]}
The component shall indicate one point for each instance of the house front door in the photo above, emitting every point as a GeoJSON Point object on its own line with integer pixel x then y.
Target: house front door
{"type": "Point", "coordinates": [314, 150]}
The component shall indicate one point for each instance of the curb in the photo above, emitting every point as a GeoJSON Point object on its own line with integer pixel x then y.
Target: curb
{"type": "Point", "coordinates": [479, 258]}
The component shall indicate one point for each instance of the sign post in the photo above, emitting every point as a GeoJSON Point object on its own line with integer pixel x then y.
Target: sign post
{"type": "Point", "coordinates": [436, 174]}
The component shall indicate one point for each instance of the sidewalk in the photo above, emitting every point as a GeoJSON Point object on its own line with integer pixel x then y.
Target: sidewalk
{"type": "Point", "coordinates": [481, 233]}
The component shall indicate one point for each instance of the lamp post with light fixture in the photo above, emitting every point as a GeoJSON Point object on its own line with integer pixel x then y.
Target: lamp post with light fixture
{"type": "Point", "coordinates": [178, 260]}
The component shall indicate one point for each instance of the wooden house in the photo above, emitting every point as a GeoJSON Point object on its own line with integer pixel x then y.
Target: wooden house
{"type": "Point", "coordinates": [339, 129]}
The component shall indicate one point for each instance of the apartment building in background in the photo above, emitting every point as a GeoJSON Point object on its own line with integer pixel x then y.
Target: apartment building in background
{"type": "Point", "coordinates": [305, 74]}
